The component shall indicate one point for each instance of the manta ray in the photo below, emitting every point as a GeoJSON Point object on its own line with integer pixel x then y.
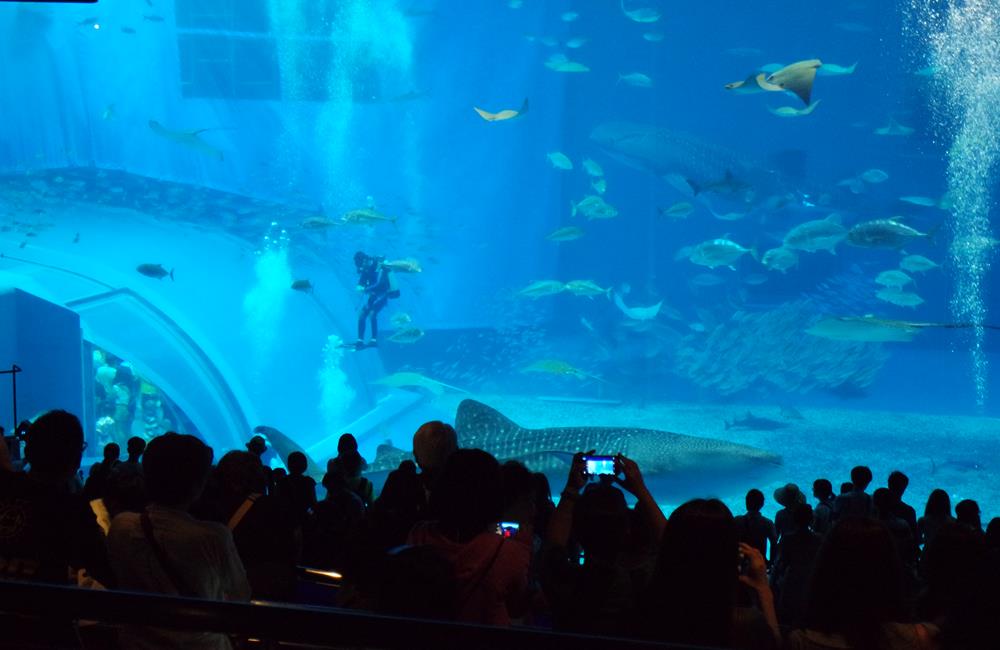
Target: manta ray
{"type": "Point", "coordinates": [189, 139]}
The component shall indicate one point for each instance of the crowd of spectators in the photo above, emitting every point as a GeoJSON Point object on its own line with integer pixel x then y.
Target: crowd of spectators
{"type": "Point", "coordinates": [458, 535]}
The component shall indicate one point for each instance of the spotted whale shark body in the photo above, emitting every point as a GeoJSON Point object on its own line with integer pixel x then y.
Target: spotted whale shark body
{"type": "Point", "coordinates": [673, 464]}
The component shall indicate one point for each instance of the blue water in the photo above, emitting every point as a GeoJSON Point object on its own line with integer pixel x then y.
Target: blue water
{"type": "Point", "coordinates": [307, 110]}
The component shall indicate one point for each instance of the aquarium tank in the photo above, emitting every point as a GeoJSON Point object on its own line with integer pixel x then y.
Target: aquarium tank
{"type": "Point", "coordinates": [745, 244]}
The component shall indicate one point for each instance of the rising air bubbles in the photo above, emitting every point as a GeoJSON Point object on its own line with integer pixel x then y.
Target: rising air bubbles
{"type": "Point", "coordinates": [964, 45]}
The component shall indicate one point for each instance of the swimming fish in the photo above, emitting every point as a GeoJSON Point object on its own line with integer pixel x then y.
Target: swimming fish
{"type": "Point", "coordinates": [304, 286]}
{"type": "Point", "coordinates": [576, 42]}
{"type": "Point", "coordinates": [566, 233]}
{"type": "Point", "coordinates": [542, 288]}
{"type": "Point", "coordinates": [820, 234]}
{"type": "Point", "coordinates": [642, 14]}
{"type": "Point", "coordinates": [728, 216]}
{"type": "Point", "coordinates": [416, 380]}
{"type": "Point", "coordinates": [407, 265]}
{"type": "Point", "coordinates": [917, 264]}
{"type": "Point", "coordinates": [636, 313]}
{"type": "Point", "coordinates": [893, 279]}
{"type": "Point", "coordinates": [559, 368]}
{"type": "Point", "coordinates": [754, 423]}
{"type": "Point", "coordinates": [189, 139]}
{"type": "Point", "coordinates": [752, 84]}
{"type": "Point", "coordinates": [899, 297]}
{"type": "Point", "coordinates": [780, 259]}
{"type": "Point", "coordinates": [922, 201]}
{"type": "Point", "coordinates": [719, 252]}
{"type": "Point", "coordinates": [874, 176]}
{"type": "Point", "coordinates": [894, 128]}
{"type": "Point", "coordinates": [672, 463]}
{"type": "Point", "coordinates": [882, 233]}
{"type": "Point", "coordinates": [594, 207]}
{"type": "Point", "coordinates": [366, 216]}
{"type": "Point", "coordinates": [637, 79]}
{"type": "Point", "coordinates": [407, 335]}
{"type": "Point", "coordinates": [586, 288]}
{"type": "Point", "coordinates": [561, 63]}
{"type": "Point", "coordinates": [797, 78]}
{"type": "Point", "coordinates": [653, 37]}
{"type": "Point", "coordinates": [679, 210]}
{"type": "Point", "coordinates": [401, 319]}
{"type": "Point", "coordinates": [155, 271]}
{"type": "Point", "coordinates": [319, 223]}
{"type": "Point", "coordinates": [505, 114]}
{"type": "Point", "coordinates": [599, 185]}
{"type": "Point", "coordinates": [791, 111]}
{"type": "Point", "coordinates": [559, 160]}
{"type": "Point", "coordinates": [109, 112]}
{"type": "Point", "coordinates": [693, 165]}
{"type": "Point", "coordinates": [569, 16]}
{"type": "Point", "coordinates": [592, 168]}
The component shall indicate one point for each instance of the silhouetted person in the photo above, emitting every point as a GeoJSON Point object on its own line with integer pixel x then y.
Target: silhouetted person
{"type": "Point", "coordinates": [491, 571]}
{"type": "Point", "coordinates": [949, 567]}
{"type": "Point", "coordinates": [433, 443]}
{"type": "Point", "coordinates": [398, 506]}
{"type": "Point", "coordinates": [134, 447]}
{"type": "Point", "coordinates": [350, 465]}
{"type": "Point", "coordinates": [417, 582]}
{"type": "Point", "coordinates": [48, 533]}
{"type": "Point", "coordinates": [846, 487]}
{"type": "Point", "coordinates": [692, 598]}
{"type": "Point", "coordinates": [937, 513]}
{"type": "Point", "coordinates": [263, 526]}
{"type": "Point", "coordinates": [823, 512]}
{"type": "Point", "coordinates": [857, 502]}
{"type": "Point", "coordinates": [793, 566]}
{"type": "Point", "coordinates": [328, 537]}
{"type": "Point", "coordinates": [754, 528]}
{"type": "Point", "coordinates": [789, 497]}
{"type": "Point", "coordinates": [166, 550]}
{"type": "Point", "coordinates": [298, 490]}
{"type": "Point", "coordinates": [99, 472]}
{"type": "Point", "coordinates": [885, 511]}
{"type": "Point", "coordinates": [967, 513]}
{"type": "Point", "coordinates": [856, 593]}
{"type": "Point", "coordinates": [258, 447]}
{"type": "Point", "coordinates": [898, 483]}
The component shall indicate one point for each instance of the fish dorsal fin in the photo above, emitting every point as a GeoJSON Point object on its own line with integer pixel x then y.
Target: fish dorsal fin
{"type": "Point", "coordinates": [524, 107]}
{"type": "Point", "coordinates": [475, 420]}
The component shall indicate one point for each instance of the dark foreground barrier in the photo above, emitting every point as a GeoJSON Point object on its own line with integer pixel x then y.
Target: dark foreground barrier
{"type": "Point", "coordinates": [275, 624]}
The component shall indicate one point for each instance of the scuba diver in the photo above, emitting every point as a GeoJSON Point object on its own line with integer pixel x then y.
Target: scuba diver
{"type": "Point", "coordinates": [375, 279]}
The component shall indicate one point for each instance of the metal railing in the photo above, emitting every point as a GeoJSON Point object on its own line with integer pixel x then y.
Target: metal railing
{"type": "Point", "coordinates": [285, 624]}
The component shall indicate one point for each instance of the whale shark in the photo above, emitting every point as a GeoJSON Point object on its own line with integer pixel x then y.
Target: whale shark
{"type": "Point", "coordinates": [691, 164]}
{"type": "Point", "coordinates": [673, 465]}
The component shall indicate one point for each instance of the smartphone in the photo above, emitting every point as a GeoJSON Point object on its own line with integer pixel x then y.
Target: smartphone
{"type": "Point", "coordinates": [600, 465]}
{"type": "Point", "coordinates": [508, 528]}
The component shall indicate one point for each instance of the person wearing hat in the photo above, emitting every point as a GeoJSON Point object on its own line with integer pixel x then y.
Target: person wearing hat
{"type": "Point", "coordinates": [376, 282]}
{"type": "Point", "coordinates": [788, 496]}
{"type": "Point", "coordinates": [258, 447]}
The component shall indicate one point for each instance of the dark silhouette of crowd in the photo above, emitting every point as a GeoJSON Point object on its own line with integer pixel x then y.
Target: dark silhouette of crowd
{"type": "Point", "coordinates": [455, 534]}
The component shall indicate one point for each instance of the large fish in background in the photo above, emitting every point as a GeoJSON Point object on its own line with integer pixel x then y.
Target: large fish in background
{"type": "Point", "coordinates": [673, 465]}
{"type": "Point", "coordinates": [691, 164]}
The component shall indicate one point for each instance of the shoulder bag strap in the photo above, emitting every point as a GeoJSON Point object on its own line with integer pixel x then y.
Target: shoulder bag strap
{"type": "Point", "coordinates": [161, 557]}
{"type": "Point", "coordinates": [241, 512]}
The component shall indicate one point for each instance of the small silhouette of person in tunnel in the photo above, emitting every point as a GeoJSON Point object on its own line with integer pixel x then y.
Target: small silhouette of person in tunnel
{"type": "Point", "coordinates": [375, 279]}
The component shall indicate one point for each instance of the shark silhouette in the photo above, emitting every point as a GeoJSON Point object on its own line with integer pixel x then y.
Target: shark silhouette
{"type": "Point", "coordinates": [672, 464]}
{"type": "Point", "coordinates": [693, 165]}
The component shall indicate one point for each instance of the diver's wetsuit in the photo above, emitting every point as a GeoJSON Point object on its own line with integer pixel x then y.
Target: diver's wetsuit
{"type": "Point", "coordinates": [377, 285]}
